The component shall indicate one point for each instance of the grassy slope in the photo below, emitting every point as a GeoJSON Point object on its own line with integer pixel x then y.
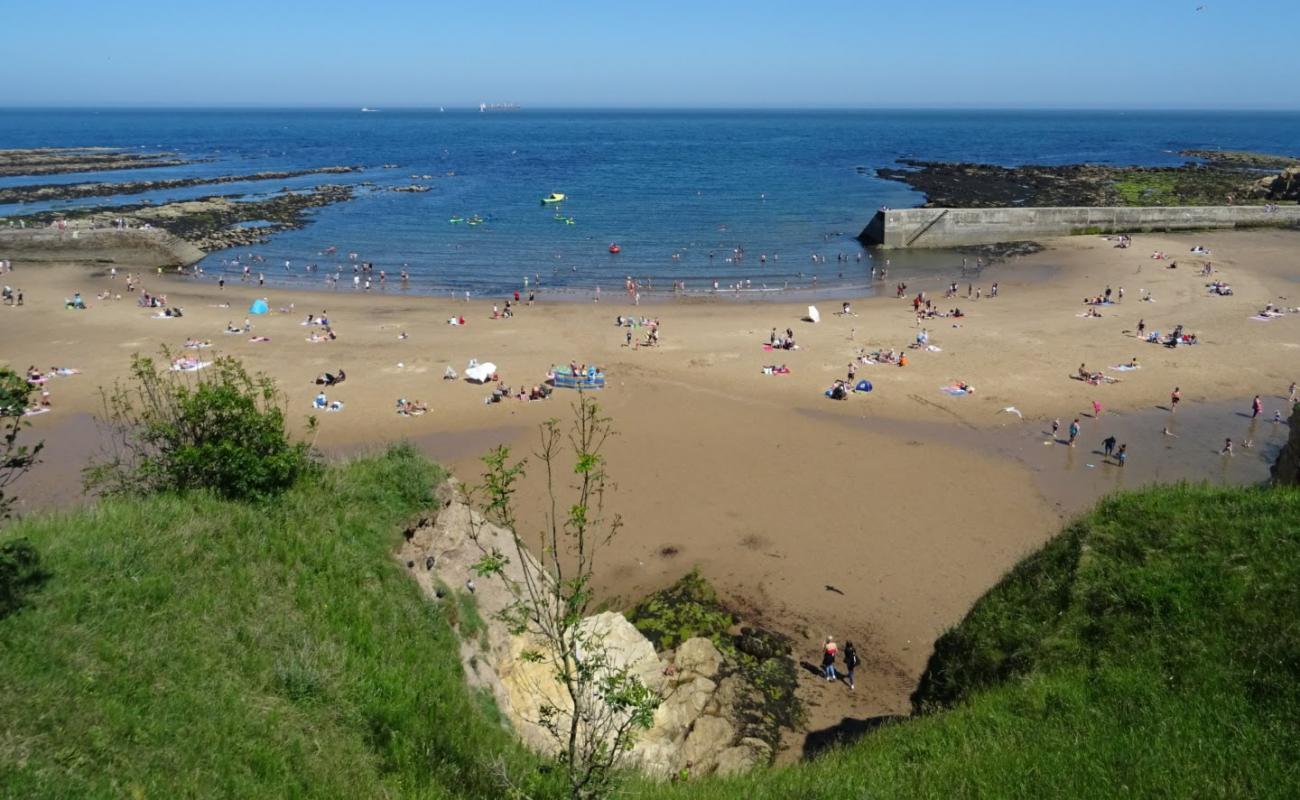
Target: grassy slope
{"type": "Point", "coordinates": [1152, 650]}
{"type": "Point", "coordinates": [195, 647]}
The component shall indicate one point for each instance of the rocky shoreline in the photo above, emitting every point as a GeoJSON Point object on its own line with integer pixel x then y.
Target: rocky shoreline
{"type": "Point", "coordinates": [1220, 178]}
{"type": "Point", "coordinates": [56, 160]}
{"type": "Point", "coordinates": [76, 191]}
{"type": "Point", "coordinates": [209, 223]}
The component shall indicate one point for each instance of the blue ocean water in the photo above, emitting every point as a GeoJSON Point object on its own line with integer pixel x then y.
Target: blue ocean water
{"type": "Point", "coordinates": [670, 187]}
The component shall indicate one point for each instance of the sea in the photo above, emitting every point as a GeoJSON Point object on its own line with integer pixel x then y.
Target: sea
{"type": "Point", "coordinates": [766, 201]}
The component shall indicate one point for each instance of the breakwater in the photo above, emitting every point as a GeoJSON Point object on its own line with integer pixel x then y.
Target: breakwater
{"type": "Point", "coordinates": [955, 227]}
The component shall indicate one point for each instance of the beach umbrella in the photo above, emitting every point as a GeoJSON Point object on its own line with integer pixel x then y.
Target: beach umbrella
{"type": "Point", "coordinates": [259, 307]}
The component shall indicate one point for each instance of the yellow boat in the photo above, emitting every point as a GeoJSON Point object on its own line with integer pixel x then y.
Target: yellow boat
{"type": "Point", "coordinates": [553, 197]}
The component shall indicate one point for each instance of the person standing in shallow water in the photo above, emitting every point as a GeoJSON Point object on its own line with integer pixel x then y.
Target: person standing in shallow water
{"type": "Point", "coordinates": [851, 662]}
{"type": "Point", "coordinates": [828, 658]}
{"type": "Point", "coordinates": [1074, 431]}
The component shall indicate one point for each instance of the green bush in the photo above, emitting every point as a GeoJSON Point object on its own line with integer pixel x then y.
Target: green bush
{"type": "Point", "coordinates": [15, 459]}
{"type": "Point", "coordinates": [688, 608]}
{"type": "Point", "coordinates": [20, 571]}
{"type": "Point", "coordinates": [221, 429]}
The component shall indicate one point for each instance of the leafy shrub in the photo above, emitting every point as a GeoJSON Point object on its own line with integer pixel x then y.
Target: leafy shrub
{"type": "Point", "coordinates": [220, 429]}
{"type": "Point", "coordinates": [15, 459]}
{"type": "Point", "coordinates": [20, 571]}
{"type": "Point", "coordinates": [688, 608]}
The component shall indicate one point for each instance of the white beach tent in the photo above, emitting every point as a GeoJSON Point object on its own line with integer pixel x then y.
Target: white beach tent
{"type": "Point", "coordinates": [813, 314]}
{"type": "Point", "coordinates": [480, 372]}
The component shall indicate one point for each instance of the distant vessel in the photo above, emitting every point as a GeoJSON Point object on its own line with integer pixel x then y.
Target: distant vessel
{"type": "Point", "coordinates": [369, 110]}
{"type": "Point", "coordinates": [614, 248]}
{"type": "Point", "coordinates": [485, 107]}
{"type": "Point", "coordinates": [553, 197]}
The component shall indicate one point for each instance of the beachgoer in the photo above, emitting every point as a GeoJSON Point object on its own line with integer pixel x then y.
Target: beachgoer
{"type": "Point", "coordinates": [1096, 409]}
{"type": "Point", "coordinates": [828, 658]}
{"type": "Point", "coordinates": [1256, 407]}
{"type": "Point", "coordinates": [1074, 431]}
{"type": "Point", "coordinates": [1227, 447]}
{"type": "Point", "coordinates": [1174, 399]}
{"type": "Point", "coordinates": [1056, 426]}
{"type": "Point", "coordinates": [851, 662]}
{"type": "Point", "coordinates": [1291, 394]}
{"type": "Point", "coordinates": [1108, 446]}
{"type": "Point", "coordinates": [1142, 326]}
{"type": "Point", "coordinates": [1122, 455]}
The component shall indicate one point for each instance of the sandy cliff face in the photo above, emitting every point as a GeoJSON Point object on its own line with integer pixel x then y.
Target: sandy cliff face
{"type": "Point", "coordinates": [1286, 471]}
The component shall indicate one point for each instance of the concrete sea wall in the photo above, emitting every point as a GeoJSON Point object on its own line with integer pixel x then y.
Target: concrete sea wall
{"type": "Point", "coordinates": [952, 227]}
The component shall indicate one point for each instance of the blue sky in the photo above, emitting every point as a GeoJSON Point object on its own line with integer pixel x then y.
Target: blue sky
{"type": "Point", "coordinates": [575, 53]}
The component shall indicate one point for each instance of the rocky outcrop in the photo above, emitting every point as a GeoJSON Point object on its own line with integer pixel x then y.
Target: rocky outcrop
{"type": "Point", "coordinates": [696, 729]}
{"type": "Point", "coordinates": [1286, 470]}
{"type": "Point", "coordinates": [154, 246]}
{"type": "Point", "coordinates": [74, 191]}
{"type": "Point", "coordinates": [1283, 186]}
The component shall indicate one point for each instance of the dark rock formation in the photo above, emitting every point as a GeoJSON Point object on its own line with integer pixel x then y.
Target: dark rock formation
{"type": "Point", "coordinates": [1283, 186]}
{"type": "Point", "coordinates": [1286, 470]}
{"type": "Point", "coordinates": [55, 160]}
{"type": "Point", "coordinates": [76, 191]}
{"type": "Point", "coordinates": [962, 185]}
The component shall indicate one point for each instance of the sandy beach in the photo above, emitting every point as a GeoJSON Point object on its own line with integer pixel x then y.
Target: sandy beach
{"type": "Point", "coordinates": [880, 518]}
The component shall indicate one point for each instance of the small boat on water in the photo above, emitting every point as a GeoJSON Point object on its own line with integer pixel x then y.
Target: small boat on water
{"type": "Point", "coordinates": [457, 219]}
{"type": "Point", "coordinates": [553, 197]}
{"type": "Point", "coordinates": [614, 248]}
{"type": "Point", "coordinates": [475, 220]}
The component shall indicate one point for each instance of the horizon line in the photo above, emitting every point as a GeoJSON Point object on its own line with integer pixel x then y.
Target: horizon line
{"type": "Point", "coordinates": [651, 108]}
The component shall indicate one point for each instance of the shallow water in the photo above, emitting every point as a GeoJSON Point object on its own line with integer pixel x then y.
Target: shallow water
{"type": "Point", "coordinates": [788, 185]}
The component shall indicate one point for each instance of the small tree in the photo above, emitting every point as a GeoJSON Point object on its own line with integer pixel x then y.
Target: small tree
{"type": "Point", "coordinates": [221, 429]}
{"type": "Point", "coordinates": [607, 704]}
{"type": "Point", "coordinates": [15, 459]}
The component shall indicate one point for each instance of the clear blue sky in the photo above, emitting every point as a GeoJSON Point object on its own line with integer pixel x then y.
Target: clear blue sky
{"type": "Point", "coordinates": [662, 53]}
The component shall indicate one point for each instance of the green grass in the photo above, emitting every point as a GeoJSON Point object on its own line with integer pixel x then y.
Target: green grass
{"type": "Point", "coordinates": [1151, 650]}
{"type": "Point", "coordinates": [196, 647]}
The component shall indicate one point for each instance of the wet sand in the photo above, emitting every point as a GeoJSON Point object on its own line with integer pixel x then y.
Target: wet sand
{"type": "Point", "coordinates": [878, 519]}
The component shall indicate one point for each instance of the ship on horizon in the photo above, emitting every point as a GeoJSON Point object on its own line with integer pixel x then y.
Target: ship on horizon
{"type": "Point", "coordinates": [483, 108]}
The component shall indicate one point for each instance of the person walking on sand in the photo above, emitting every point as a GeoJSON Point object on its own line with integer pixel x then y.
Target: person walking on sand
{"type": "Point", "coordinates": [1142, 327]}
{"type": "Point", "coordinates": [1056, 426]}
{"type": "Point", "coordinates": [1122, 455]}
{"type": "Point", "coordinates": [851, 662]}
{"type": "Point", "coordinates": [1227, 448]}
{"type": "Point", "coordinates": [1108, 446]}
{"type": "Point", "coordinates": [1256, 407]}
{"type": "Point", "coordinates": [1174, 397]}
{"type": "Point", "coordinates": [1096, 409]}
{"type": "Point", "coordinates": [1074, 431]}
{"type": "Point", "coordinates": [828, 658]}
{"type": "Point", "coordinates": [1290, 398]}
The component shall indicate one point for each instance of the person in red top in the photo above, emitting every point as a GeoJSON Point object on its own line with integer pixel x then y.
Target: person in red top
{"type": "Point", "coordinates": [828, 658]}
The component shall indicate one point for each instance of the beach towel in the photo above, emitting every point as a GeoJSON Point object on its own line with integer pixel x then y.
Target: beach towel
{"type": "Point", "coordinates": [31, 412]}
{"type": "Point", "coordinates": [934, 348]}
{"type": "Point", "coordinates": [955, 391]}
{"type": "Point", "coordinates": [1124, 367]}
{"type": "Point", "coordinates": [190, 366]}
{"type": "Point", "coordinates": [1262, 318]}
{"type": "Point", "coordinates": [767, 348]}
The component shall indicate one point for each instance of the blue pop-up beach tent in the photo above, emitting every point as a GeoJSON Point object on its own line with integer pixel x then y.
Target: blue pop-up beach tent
{"type": "Point", "coordinates": [258, 307]}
